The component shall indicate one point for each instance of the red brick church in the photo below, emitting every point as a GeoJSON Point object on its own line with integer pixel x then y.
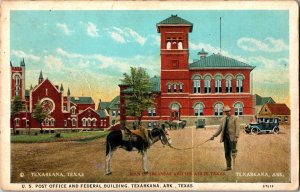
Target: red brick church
{"type": "Point", "coordinates": [65, 111]}
{"type": "Point", "coordinates": [198, 89]}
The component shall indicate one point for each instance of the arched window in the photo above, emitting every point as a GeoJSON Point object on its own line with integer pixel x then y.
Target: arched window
{"type": "Point", "coordinates": [174, 88]}
{"type": "Point", "coordinates": [83, 122]}
{"type": "Point", "coordinates": [52, 122]}
{"type": "Point", "coordinates": [175, 110]}
{"type": "Point", "coordinates": [239, 84]}
{"type": "Point", "coordinates": [73, 122]}
{"type": "Point", "coordinates": [168, 43]}
{"type": "Point", "coordinates": [17, 122]}
{"type": "Point", "coordinates": [89, 122]}
{"type": "Point", "coordinates": [228, 84]}
{"type": "Point", "coordinates": [198, 109]}
{"type": "Point", "coordinates": [196, 84]}
{"type": "Point", "coordinates": [47, 122]}
{"type": "Point", "coordinates": [94, 122]}
{"type": "Point", "coordinates": [175, 106]}
{"type": "Point", "coordinates": [218, 108]}
{"type": "Point", "coordinates": [218, 84]}
{"type": "Point", "coordinates": [238, 109]}
{"type": "Point", "coordinates": [207, 87]}
{"type": "Point", "coordinates": [180, 87]}
{"type": "Point", "coordinates": [180, 45]}
{"type": "Point", "coordinates": [73, 110]}
{"type": "Point", "coordinates": [17, 91]}
{"type": "Point", "coordinates": [17, 80]}
{"type": "Point", "coordinates": [169, 88]}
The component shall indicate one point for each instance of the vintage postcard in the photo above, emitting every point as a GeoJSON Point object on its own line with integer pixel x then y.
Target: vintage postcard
{"type": "Point", "coordinates": [156, 95]}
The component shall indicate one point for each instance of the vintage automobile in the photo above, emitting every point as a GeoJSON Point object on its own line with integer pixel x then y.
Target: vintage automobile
{"type": "Point", "coordinates": [263, 125]}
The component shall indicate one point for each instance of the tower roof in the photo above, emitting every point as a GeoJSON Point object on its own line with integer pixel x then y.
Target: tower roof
{"type": "Point", "coordinates": [69, 93]}
{"type": "Point", "coordinates": [41, 75]}
{"type": "Point", "coordinates": [22, 63]}
{"type": "Point", "coordinates": [174, 20]}
{"type": "Point", "coordinates": [61, 88]}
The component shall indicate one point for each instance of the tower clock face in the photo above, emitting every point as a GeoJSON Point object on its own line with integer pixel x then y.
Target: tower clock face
{"type": "Point", "coordinates": [47, 106]}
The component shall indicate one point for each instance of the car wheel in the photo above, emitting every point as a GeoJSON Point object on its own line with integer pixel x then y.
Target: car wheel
{"type": "Point", "coordinates": [246, 130]}
{"type": "Point", "coordinates": [276, 130]}
{"type": "Point", "coordinates": [254, 131]}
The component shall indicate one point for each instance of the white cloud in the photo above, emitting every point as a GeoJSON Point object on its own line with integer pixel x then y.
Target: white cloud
{"type": "Point", "coordinates": [137, 37]}
{"type": "Point", "coordinates": [92, 30]}
{"type": "Point", "coordinates": [53, 63]}
{"type": "Point", "coordinates": [156, 39]}
{"type": "Point", "coordinates": [274, 71]}
{"type": "Point", "coordinates": [27, 56]}
{"type": "Point", "coordinates": [269, 44]}
{"type": "Point", "coordinates": [211, 49]}
{"type": "Point", "coordinates": [64, 28]}
{"type": "Point", "coordinates": [121, 64]}
{"type": "Point", "coordinates": [126, 35]}
{"type": "Point", "coordinates": [117, 37]}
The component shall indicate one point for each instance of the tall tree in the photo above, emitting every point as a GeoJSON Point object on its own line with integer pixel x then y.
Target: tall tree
{"type": "Point", "coordinates": [39, 113]}
{"type": "Point", "coordinates": [139, 95]}
{"type": "Point", "coordinates": [17, 106]}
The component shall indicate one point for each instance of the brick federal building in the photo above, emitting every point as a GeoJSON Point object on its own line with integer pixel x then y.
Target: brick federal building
{"type": "Point", "coordinates": [195, 90]}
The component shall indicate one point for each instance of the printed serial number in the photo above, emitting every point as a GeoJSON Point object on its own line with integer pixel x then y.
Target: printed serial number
{"type": "Point", "coordinates": [268, 186]}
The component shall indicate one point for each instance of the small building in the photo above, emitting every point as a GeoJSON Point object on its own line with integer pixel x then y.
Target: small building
{"type": "Point", "coordinates": [112, 108]}
{"type": "Point", "coordinates": [279, 110]}
{"type": "Point", "coordinates": [260, 101]}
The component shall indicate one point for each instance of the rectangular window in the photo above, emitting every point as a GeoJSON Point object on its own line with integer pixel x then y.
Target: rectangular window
{"type": "Point", "coordinates": [17, 122]}
{"type": "Point", "coordinates": [151, 112]}
{"type": "Point", "coordinates": [65, 121]}
{"type": "Point", "coordinates": [65, 108]}
{"type": "Point", "coordinates": [113, 113]}
{"type": "Point", "coordinates": [286, 119]}
{"type": "Point", "coordinates": [149, 124]}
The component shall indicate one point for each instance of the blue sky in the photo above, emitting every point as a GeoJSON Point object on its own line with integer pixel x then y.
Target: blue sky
{"type": "Point", "coordinates": [89, 51]}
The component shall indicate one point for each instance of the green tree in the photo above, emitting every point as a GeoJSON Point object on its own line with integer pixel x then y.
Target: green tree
{"type": "Point", "coordinates": [17, 106]}
{"type": "Point", "coordinates": [139, 95]}
{"type": "Point", "coordinates": [39, 114]}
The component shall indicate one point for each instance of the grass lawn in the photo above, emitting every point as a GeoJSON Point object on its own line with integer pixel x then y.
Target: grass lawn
{"type": "Point", "coordinates": [51, 137]}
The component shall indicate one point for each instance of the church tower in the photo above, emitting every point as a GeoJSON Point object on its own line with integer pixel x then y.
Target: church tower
{"type": "Point", "coordinates": [174, 63]}
{"type": "Point", "coordinates": [18, 80]}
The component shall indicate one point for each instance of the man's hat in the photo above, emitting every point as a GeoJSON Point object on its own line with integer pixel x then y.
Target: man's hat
{"type": "Point", "coordinates": [226, 108]}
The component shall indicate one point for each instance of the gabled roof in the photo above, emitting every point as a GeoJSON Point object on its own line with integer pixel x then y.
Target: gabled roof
{"type": "Point", "coordinates": [263, 100]}
{"type": "Point", "coordinates": [82, 100]}
{"type": "Point", "coordinates": [173, 21]}
{"type": "Point", "coordinates": [278, 108]}
{"type": "Point", "coordinates": [114, 104]}
{"type": "Point", "coordinates": [103, 105]}
{"type": "Point", "coordinates": [102, 113]}
{"type": "Point", "coordinates": [219, 61]}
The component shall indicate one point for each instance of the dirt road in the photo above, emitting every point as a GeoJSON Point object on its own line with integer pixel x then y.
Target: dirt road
{"type": "Point", "coordinates": [261, 158]}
